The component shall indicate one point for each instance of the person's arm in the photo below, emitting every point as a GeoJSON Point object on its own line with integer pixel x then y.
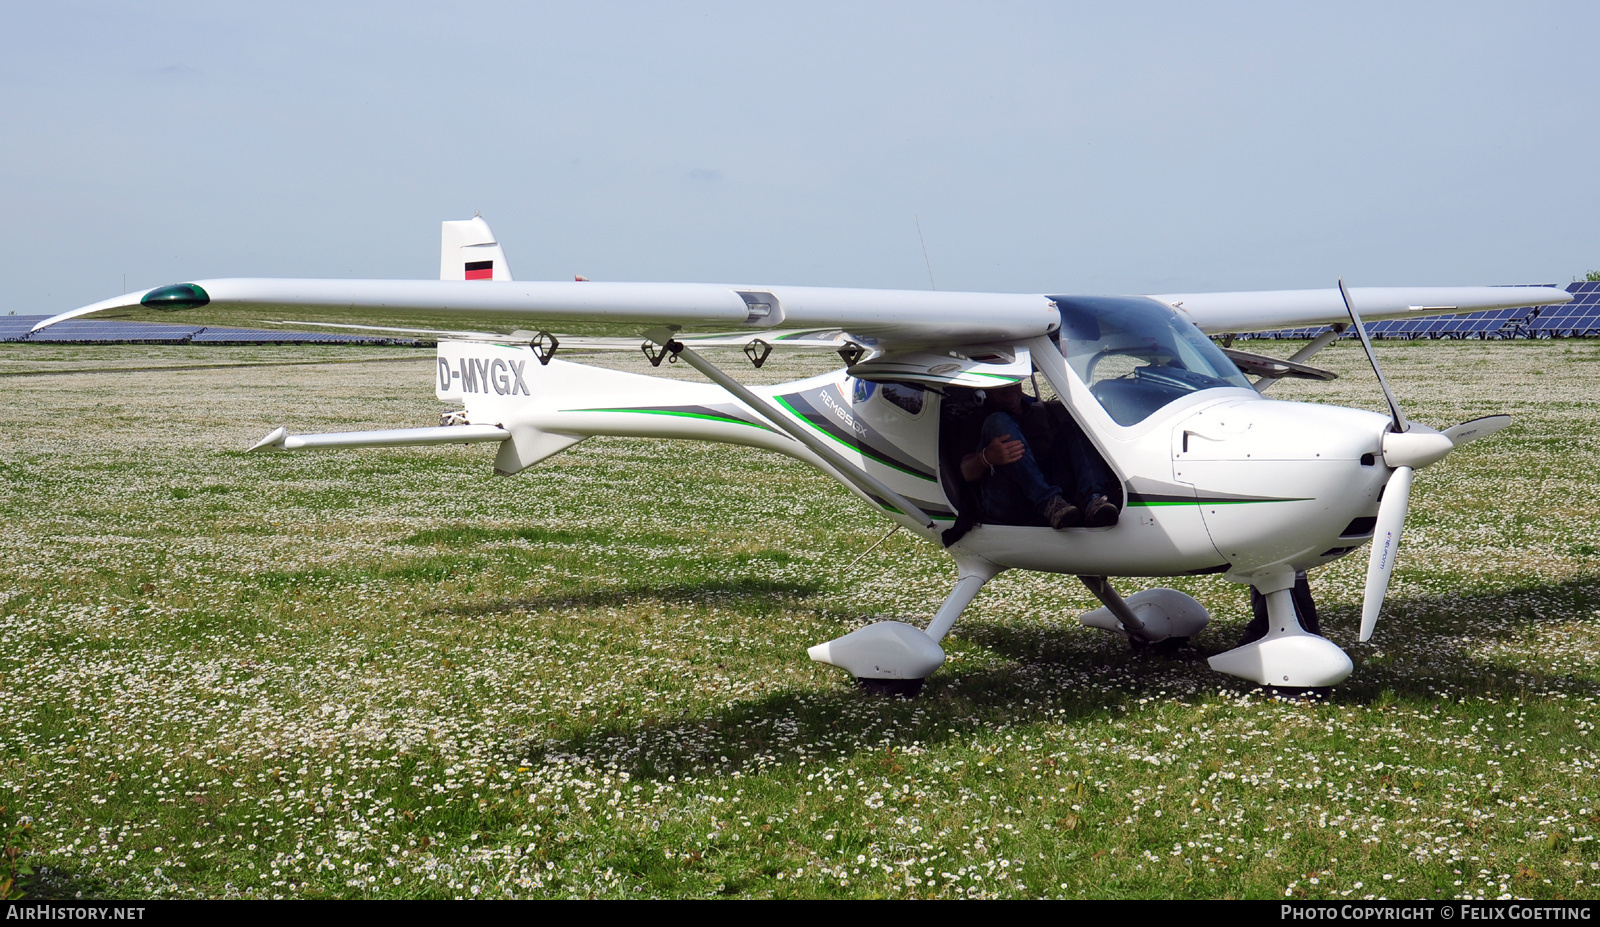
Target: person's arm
{"type": "Point", "coordinates": [999, 452]}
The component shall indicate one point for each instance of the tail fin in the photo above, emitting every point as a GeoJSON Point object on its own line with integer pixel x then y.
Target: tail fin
{"type": "Point", "coordinates": [468, 251]}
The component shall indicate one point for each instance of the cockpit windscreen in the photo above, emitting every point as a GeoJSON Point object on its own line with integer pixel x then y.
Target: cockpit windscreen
{"type": "Point", "coordinates": [1137, 355]}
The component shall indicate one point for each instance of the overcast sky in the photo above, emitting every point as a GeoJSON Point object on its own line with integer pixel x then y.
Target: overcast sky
{"type": "Point", "coordinates": [1096, 148]}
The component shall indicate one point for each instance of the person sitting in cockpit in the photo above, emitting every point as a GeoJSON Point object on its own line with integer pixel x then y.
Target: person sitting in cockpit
{"type": "Point", "coordinates": [1025, 455]}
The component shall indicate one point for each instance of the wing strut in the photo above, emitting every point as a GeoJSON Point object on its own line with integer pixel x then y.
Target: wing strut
{"type": "Point", "coordinates": [857, 477]}
{"type": "Point", "coordinates": [1301, 356]}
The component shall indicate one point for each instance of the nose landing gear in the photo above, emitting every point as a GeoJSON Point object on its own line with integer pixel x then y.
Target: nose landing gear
{"type": "Point", "coordinates": [1287, 655]}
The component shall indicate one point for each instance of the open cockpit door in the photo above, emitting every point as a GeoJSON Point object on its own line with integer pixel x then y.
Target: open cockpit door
{"type": "Point", "coordinates": [1063, 456]}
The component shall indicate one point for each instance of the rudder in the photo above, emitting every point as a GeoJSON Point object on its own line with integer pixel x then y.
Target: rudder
{"type": "Point", "coordinates": [468, 251]}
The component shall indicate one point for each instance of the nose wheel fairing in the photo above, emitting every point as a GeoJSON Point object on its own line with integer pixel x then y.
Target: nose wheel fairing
{"type": "Point", "coordinates": [1288, 655]}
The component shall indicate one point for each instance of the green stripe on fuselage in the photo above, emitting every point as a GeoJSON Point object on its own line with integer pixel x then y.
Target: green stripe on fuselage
{"type": "Point", "coordinates": [864, 452]}
{"type": "Point", "coordinates": [1160, 502]}
{"type": "Point", "coordinates": [677, 414]}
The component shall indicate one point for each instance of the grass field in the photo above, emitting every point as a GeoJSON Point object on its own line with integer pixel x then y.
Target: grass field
{"type": "Point", "coordinates": [393, 674]}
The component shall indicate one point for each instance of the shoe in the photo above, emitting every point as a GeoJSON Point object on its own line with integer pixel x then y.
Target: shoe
{"type": "Point", "coordinates": [1101, 513]}
{"type": "Point", "coordinates": [1061, 514]}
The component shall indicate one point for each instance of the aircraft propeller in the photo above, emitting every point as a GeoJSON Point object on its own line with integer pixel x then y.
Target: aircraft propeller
{"type": "Point", "coordinates": [1407, 447]}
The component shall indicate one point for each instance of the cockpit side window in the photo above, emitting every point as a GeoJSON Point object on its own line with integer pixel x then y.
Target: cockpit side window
{"type": "Point", "coordinates": [1137, 355]}
{"type": "Point", "coordinates": [907, 397]}
{"type": "Point", "coordinates": [904, 395]}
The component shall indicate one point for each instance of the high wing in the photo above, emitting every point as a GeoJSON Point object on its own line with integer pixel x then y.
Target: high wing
{"type": "Point", "coordinates": [886, 321]}
{"type": "Point", "coordinates": [907, 318]}
{"type": "Point", "coordinates": [1260, 310]}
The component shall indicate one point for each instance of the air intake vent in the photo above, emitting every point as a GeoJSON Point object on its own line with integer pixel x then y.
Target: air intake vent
{"type": "Point", "coordinates": [1360, 528]}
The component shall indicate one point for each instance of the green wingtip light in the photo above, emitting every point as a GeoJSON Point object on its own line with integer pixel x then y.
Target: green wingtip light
{"type": "Point", "coordinates": [174, 297]}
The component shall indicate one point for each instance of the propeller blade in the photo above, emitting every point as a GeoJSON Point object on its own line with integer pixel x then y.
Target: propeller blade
{"type": "Point", "coordinates": [1475, 429]}
{"type": "Point", "coordinates": [1400, 423]}
{"type": "Point", "coordinates": [1385, 545]}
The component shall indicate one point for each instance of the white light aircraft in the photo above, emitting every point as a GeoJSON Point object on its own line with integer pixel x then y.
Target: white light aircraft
{"type": "Point", "coordinates": [1212, 477]}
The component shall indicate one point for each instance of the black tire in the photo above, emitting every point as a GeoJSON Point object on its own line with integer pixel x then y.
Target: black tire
{"type": "Point", "coordinates": [1171, 646]}
{"type": "Point", "coordinates": [902, 688]}
{"type": "Point", "coordinates": [1301, 693]}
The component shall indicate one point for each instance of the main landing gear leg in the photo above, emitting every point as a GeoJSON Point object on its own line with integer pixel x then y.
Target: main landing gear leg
{"type": "Point", "coordinates": [1164, 617]}
{"type": "Point", "coordinates": [1289, 656]}
{"type": "Point", "coordinates": [1128, 623]}
{"type": "Point", "coordinates": [892, 657]}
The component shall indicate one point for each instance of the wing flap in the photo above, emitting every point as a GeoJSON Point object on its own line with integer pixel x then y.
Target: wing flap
{"type": "Point", "coordinates": [822, 339]}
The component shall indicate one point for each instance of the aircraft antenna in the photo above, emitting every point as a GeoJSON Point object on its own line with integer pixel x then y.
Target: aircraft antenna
{"type": "Point", "coordinates": [931, 284]}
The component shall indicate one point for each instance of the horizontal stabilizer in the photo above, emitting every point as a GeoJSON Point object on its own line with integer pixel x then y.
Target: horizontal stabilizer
{"type": "Point", "coordinates": [281, 440]}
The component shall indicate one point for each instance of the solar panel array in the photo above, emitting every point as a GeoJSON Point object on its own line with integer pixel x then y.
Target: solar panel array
{"type": "Point", "coordinates": [95, 331]}
{"type": "Point", "coordinates": [1577, 319]}
{"type": "Point", "coordinates": [264, 336]}
{"type": "Point", "coordinates": [104, 331]}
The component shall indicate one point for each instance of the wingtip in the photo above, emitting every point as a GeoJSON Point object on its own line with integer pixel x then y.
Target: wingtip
{"type": "Point", "coordinates": [125, 301]}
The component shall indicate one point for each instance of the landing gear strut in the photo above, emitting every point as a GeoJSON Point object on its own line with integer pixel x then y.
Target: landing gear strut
{"type": "Point", "coordinates": [894, 658]}
{"type": "Point", "coordinates": [1165, 618]}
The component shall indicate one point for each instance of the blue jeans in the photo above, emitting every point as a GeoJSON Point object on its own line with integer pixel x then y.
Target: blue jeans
{"type": "Point", "coordinates": [1015, 493]}
{"type": "Point", "coordinates": [1073, 461]}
